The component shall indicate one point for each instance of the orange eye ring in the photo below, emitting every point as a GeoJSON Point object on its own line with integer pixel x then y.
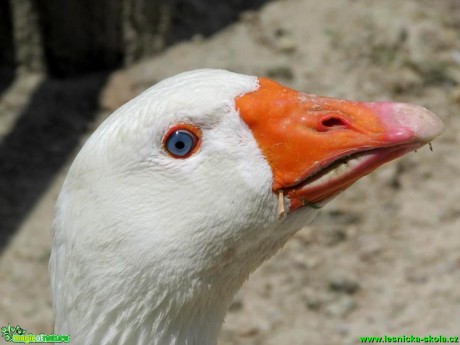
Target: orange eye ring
{"type": "Point", "coordinates": [182, 140]}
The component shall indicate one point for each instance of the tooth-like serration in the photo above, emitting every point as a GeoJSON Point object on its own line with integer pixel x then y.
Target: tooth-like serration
{"type": "Point", "coordinates": [339, 171]}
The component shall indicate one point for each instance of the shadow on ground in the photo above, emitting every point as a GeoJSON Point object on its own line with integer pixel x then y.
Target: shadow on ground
{"type": "Point", "coordinates": [44, 136]}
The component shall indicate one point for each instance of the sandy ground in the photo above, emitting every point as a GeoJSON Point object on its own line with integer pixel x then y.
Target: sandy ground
{"type": "Point", "coordinates": [384, 257]}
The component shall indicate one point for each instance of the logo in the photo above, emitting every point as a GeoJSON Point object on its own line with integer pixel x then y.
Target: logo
{"type": "Point", "coordinates": [18, 335]}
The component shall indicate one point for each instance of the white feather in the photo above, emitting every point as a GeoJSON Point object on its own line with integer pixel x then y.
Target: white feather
{"type": "Point", "coordinates": [148, 249]}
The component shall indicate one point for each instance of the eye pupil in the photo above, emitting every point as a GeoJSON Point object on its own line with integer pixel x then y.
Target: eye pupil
{"type": "Point", "coordinates": [180, 145]}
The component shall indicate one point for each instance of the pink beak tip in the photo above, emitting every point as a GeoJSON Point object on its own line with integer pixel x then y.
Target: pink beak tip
{"type": "Point", "coordinates": [403, 119]}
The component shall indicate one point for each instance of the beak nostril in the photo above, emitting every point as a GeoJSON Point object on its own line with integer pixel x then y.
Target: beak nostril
{"type": "Point", "coordinates": [332, 122]}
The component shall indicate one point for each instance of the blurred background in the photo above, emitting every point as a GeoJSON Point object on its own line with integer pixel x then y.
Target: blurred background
{"type": "Point", "coordinates": [381, 259]}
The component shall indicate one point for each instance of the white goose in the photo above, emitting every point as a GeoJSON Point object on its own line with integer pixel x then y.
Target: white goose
{"type": "Point", "coordinates": [179, 195]}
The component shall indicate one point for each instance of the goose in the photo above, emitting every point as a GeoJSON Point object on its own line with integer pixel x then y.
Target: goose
{"type": "Point", "coordinates": [185, 190]}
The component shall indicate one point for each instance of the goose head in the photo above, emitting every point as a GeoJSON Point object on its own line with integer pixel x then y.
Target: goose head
{"type": "Point", "coordinates": [185, 190]}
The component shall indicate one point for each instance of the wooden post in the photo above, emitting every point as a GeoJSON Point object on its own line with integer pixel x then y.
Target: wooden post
{"type": "Point", "coordinates": [73, 37]}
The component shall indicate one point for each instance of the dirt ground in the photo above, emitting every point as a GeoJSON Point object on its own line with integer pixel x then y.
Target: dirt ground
{"type": "Point", "coordinates": [381, 259]}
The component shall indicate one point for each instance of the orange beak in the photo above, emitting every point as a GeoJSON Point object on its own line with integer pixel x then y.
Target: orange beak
{"type": "Point", "coordinates": [318, 146]}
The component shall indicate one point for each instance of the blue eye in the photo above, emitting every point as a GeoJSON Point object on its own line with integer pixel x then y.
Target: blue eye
{"type": "Point", "coordinates": [180, 143]}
